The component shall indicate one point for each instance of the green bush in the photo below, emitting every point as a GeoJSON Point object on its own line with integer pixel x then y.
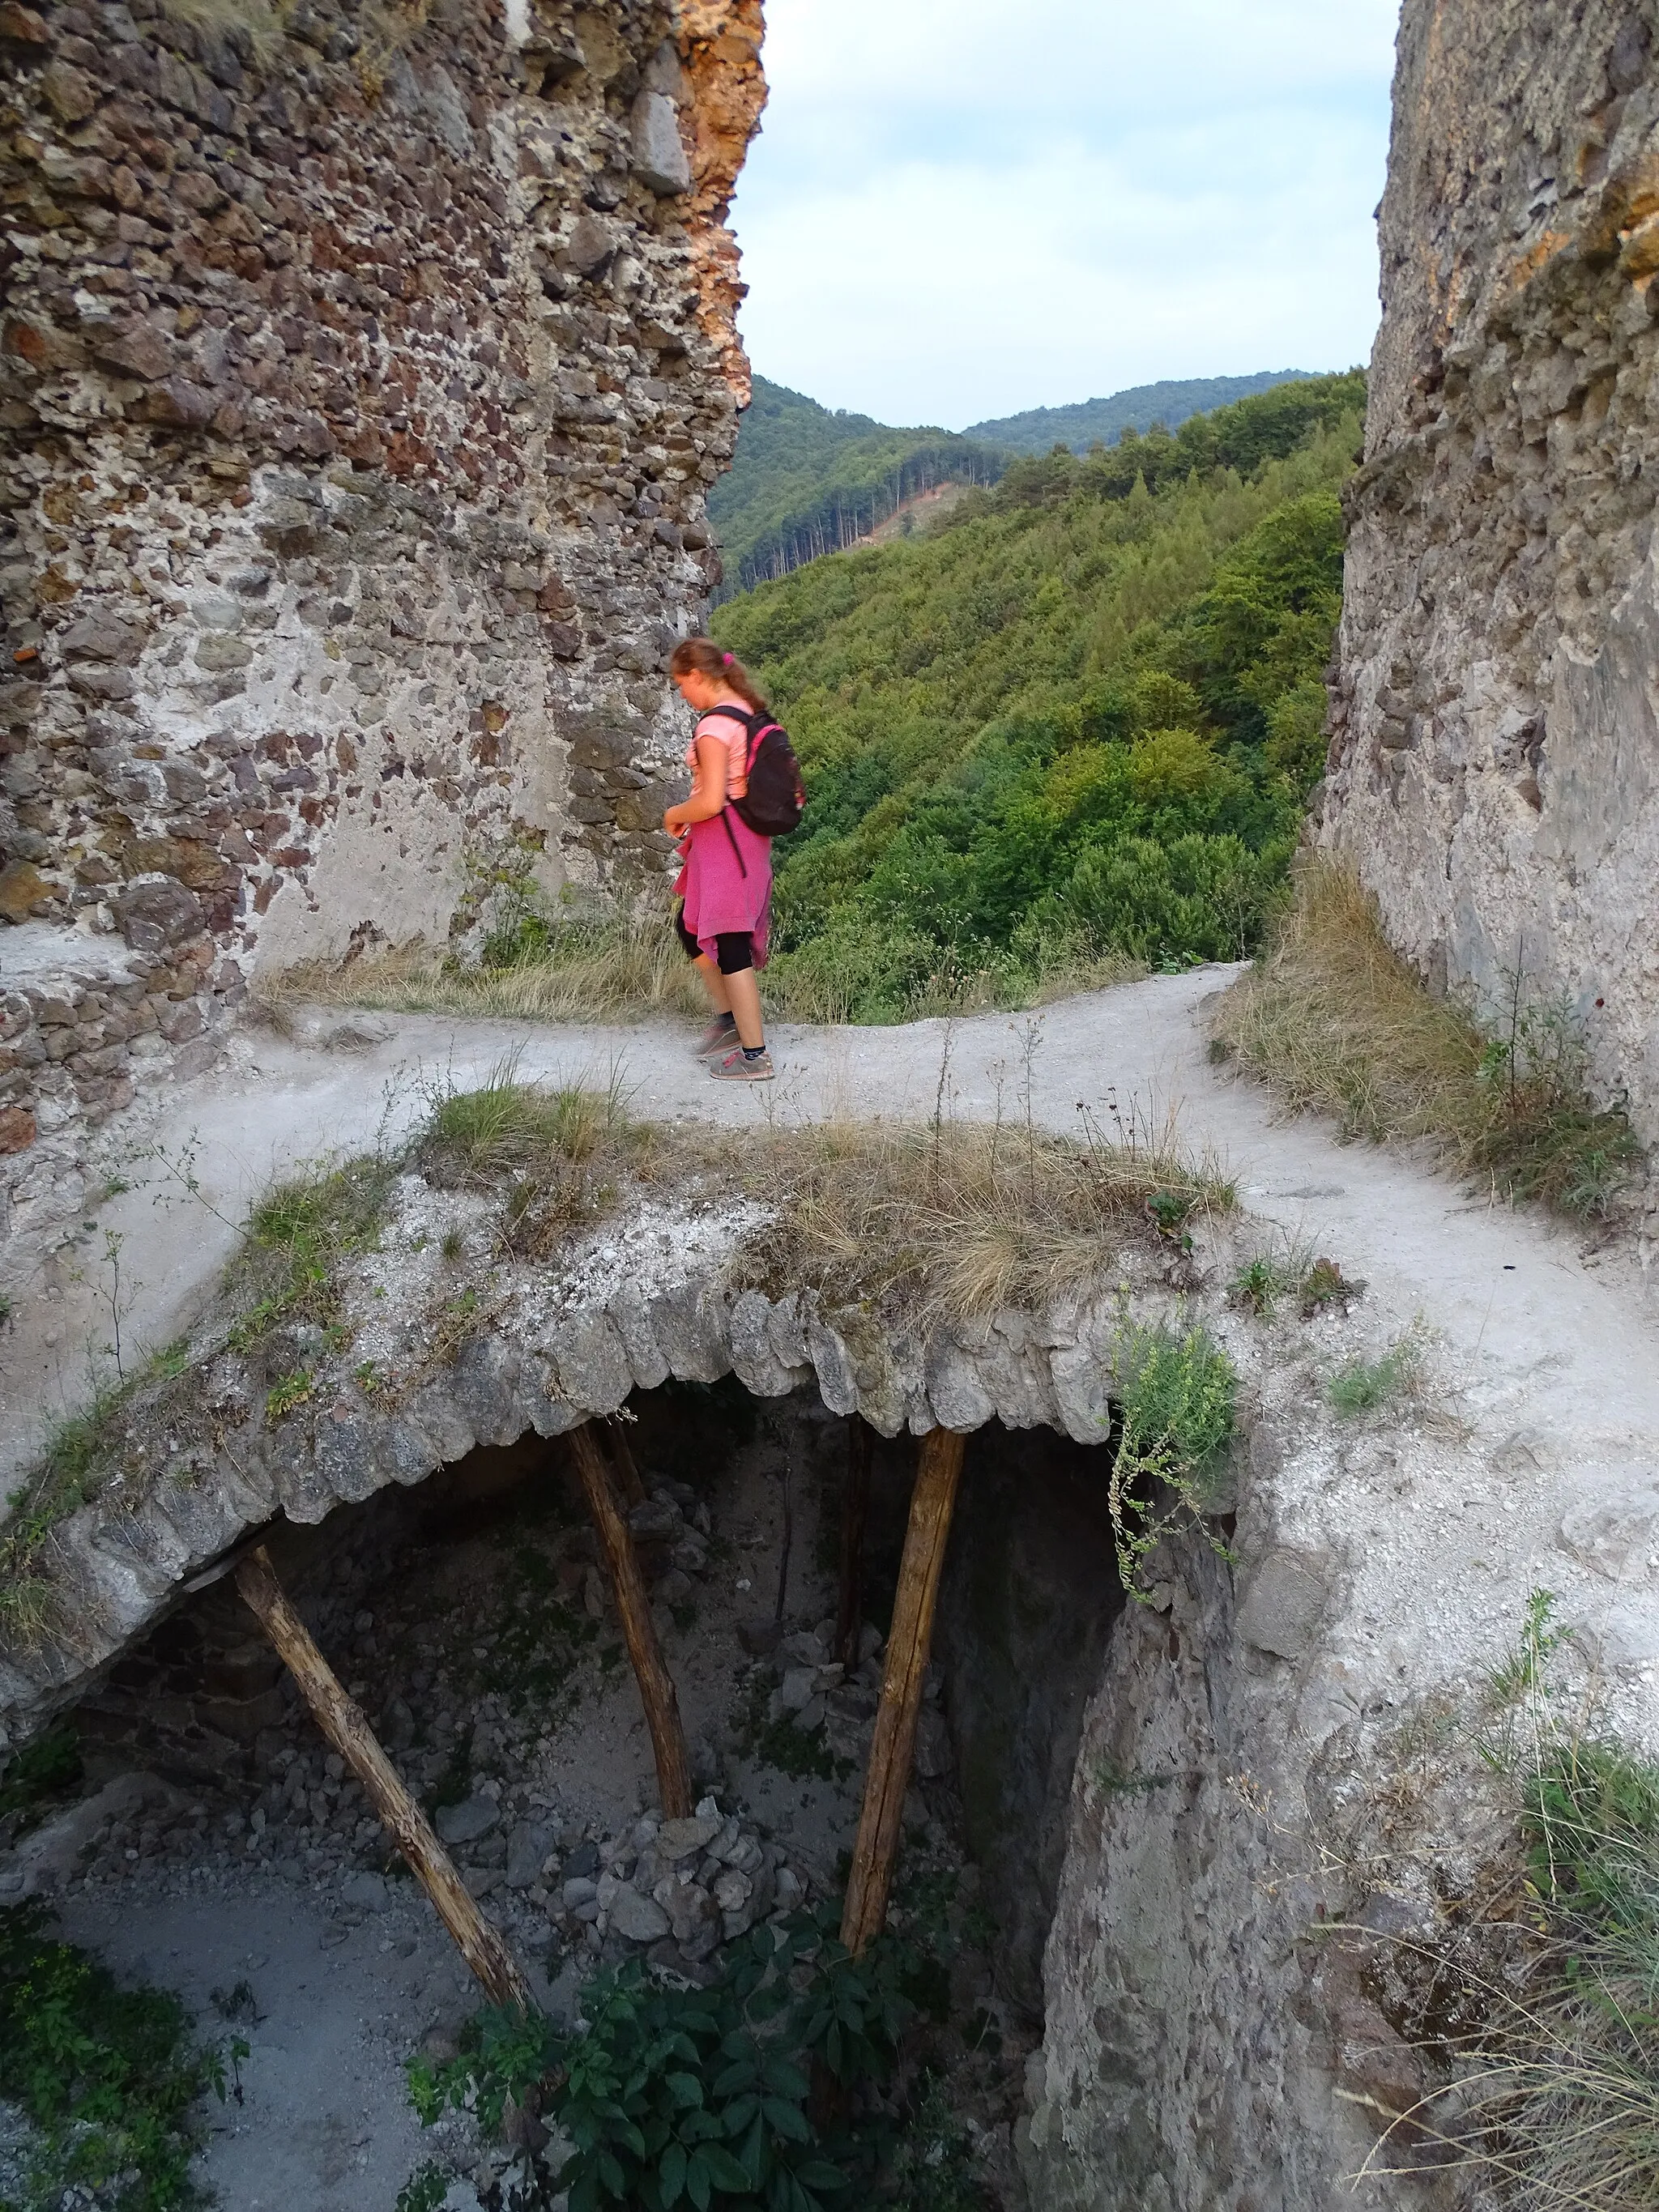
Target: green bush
{"type": "Point", "coordinates": [682, 2096]}
{"type": "Point", "coordinates": [109, 2075]}
{"type": "Point", "coordinates": [1083, 713]}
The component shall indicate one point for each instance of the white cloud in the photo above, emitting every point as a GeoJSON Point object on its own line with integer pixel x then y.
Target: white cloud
{"type": "Point", "coordinates": [954, 214]}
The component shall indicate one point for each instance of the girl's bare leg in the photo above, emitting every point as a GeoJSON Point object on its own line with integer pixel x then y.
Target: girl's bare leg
{"type": "Point", "coordinates": [714, 983]}
{"type": "Point", "coordinates": [743, 998]}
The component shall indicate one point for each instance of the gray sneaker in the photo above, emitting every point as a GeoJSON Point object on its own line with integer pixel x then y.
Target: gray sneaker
{"type": "Point", "coordinates": [736, 1068]}
{"type": "Point", "coordinates": [717, 1038]}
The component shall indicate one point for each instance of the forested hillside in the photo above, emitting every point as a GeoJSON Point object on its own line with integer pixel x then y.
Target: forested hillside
{"type": "Point", "coordinates": [807, 482]}
{"type": "Point", "coordinates": [1099, 421]}
{"type": "Point", "coordinates": [1079, 720]}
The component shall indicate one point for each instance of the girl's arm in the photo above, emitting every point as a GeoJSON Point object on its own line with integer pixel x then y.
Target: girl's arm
{"type": "Point", "coordinates": [707, 789]}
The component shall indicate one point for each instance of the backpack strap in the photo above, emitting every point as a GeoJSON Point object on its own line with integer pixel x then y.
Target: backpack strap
{"type": "Point", "coordinates": [732, 837]}
{"type": "Point", "coordinates": [754, 737]}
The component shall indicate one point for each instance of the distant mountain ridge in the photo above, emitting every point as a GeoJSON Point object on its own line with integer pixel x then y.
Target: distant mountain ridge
{"type": "Point", "coordinates": [1103, 422]}
{"type": "Point", "coordinates": [807, 481]}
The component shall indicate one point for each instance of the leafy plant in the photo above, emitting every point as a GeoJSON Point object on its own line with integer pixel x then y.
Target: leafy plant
{"type": "Point", "coordinates": [697, 2097]}
{"type": "Point", "coordinates": [108, 2075]}
{"type": "Point", "coordinates": [934, 2166]}
{"type": "Point", "coordinates": [287, 1392]}
{"type": "Point", "coordinates": [1177, 1397]}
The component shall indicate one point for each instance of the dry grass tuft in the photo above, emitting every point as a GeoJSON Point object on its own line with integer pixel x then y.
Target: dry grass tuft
{"type": "Point", "coordinates": [1542, 2013]}
{"type": "Point", "coordinates": [568, 971]}
{"type": "Point", "coordinates": [539, 968]}
{"type": "Point", "coordinates": [957, 1219]}
{"type": "Point", "coordinates": [1337, 1022]}
{"type": "Point", "coordinates": [564, 1157]}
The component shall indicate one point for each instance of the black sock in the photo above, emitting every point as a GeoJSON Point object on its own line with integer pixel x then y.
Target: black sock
{"type": "Point", "coordinates": [726, 1021]}
{"type": "Point", "coordinates": [753, 1051]}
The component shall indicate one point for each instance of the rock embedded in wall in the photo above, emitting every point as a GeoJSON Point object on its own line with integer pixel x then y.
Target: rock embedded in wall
{"type": "Point", "coordinates": [364, 374]}
{"type": "Point", "coordinates": [1494, 763]}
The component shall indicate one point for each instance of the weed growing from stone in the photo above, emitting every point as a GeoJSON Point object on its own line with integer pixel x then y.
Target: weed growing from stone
{"type": "Point", "coordinates": [933, 2168]}
{"type": "Point", "coordinates": [1363, 1385]}
{"type": "Point", "coordinates": [109, 2076]}
{"type": "Point", "coordinates": [1177, 1392]}
{"type": "Point", "coordinates": [1337, 1021]}
{"type": "Point", "coordinates": [67, 1474]}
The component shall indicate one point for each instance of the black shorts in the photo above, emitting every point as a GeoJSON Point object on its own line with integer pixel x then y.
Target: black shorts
{"type": "Point", "coordinates": [734, 948]}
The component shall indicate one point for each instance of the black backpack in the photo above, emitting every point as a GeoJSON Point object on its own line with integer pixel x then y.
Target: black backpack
{"type": "Point", "coordinates": [776, 797]}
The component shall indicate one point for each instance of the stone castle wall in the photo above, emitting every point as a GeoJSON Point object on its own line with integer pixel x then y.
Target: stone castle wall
{"type": "Point", "coordinates": [1494, 769]}
{"type": "Point", "coordinates": [366, 365]}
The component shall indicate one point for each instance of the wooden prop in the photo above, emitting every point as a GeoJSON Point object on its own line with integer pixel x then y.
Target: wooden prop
{"type": "Point", "coordinates": [342, 1721]}
{"type": "Point", "coordinates": [662, 1707]}
{"type": "Point", "coordinates": [628, 1471]}
{"type": "Point", "coordinates": [849, 1609]}
{"type": "Point", "coordinates": [893, 1746]}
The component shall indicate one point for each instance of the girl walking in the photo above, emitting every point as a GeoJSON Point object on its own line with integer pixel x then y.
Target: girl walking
{"type": "Point", "coordinates": [726, 885]}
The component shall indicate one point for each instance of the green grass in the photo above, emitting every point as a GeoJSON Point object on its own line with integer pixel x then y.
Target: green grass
{"type": "Point", "coordinates": [110, 2075]}
{"type": "Point", "coordinates": [296, 1240]}
{"type": "Point", "coordinates": [1361, 1386]}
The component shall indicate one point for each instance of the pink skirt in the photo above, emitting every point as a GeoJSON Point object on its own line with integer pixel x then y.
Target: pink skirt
{"type": "Point", "coordinates": [719, 896]}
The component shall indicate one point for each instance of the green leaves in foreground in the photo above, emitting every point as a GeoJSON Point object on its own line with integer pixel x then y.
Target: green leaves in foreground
{"type": "Point", "coordinates": [689, 2097]}
{"type": "Point", "coordinates": [109, 2075]}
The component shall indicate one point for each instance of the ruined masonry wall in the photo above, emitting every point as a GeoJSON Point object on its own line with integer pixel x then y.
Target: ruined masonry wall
{"type": "Point", "coordinates": [1494, 766]}
{"type": "Point", "coordinates": [364, 371]}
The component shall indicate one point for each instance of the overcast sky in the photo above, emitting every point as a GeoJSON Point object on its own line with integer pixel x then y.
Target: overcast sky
{"type": "Point", "coordinates": [959, 208]}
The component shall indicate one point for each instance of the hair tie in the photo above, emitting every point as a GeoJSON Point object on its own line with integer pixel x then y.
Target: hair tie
{"type": "Point", "coordinates": [726, 658]}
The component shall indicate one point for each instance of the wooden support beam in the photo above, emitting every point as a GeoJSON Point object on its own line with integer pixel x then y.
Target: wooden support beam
{"type": "Point", "coordinates": [856, 1503]}
{"type": "Point", "coordinates": [342, 1721]}
{"type": "Point", "coordinates": [628, 1471]}
{"type": "Point", "coordinates": [662, 1707]}
{"type": "Point", "coordinates": [893, 1746]}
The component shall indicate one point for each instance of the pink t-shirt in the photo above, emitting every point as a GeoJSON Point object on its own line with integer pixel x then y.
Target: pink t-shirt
{"type": "Point", "coordinates": [728, 731]}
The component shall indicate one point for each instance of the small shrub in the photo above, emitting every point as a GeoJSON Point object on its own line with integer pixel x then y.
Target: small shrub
{"type": "Point", "coordinates": [686, 2096]}
{"type": "Point", "coordinates": [1177, 1395]}
{"type": "Point", "coordinates": [108, 2075]}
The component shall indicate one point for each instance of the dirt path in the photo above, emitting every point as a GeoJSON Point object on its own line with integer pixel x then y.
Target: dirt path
{"type": "Point", "coordinates": [1496, 1286]}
